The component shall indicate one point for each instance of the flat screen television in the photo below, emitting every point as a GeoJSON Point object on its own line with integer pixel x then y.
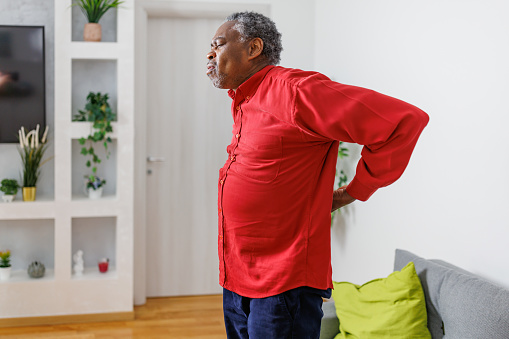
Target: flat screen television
{"type": "Point", "coordinates": [22, 80]}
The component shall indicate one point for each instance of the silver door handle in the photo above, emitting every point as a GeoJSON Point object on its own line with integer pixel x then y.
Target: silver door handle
{"type": "Point", "coordinates": [155, 159]}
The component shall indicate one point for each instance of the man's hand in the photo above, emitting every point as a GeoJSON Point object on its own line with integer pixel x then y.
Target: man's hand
{"type": "Point", "coordinates": [340, 198]}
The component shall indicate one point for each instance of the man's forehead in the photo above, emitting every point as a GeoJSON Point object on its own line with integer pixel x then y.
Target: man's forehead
{"type": "Point", "coordinates": [226, 31]}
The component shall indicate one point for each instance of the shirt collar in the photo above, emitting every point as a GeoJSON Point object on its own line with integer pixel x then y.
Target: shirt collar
{"type": "Point", "coordinates": [248, 88]}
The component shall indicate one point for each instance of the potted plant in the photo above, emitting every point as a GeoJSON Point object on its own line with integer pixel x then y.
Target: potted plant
{"type": "Point", "coordinates": [94, 10]}
{"type": "Point", "coordinates": [10, 189]}
{"type": "Point", "coordinates": [5, 265]}
{"type": "Point", "coordinates": [94, 186]}
{"type": "Point", "coordinates": [32, 150]}
{"type": "Point", "coordinates": [99, 113]}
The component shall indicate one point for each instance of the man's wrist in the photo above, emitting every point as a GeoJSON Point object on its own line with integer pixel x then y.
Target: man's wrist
{"type": "Point", "coordinates": [359, 191]}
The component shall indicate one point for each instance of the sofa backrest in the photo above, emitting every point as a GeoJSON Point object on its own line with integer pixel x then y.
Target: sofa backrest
{"type": "Point", "coordinates": [460, 304]}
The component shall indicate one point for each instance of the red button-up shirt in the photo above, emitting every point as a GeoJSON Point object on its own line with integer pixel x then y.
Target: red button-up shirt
{"type": "Point", "coordinates": [275, 189]}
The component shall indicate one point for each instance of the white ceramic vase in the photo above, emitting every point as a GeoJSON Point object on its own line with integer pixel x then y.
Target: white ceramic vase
{"type": "Point", "coordinates": [8, 197]}
{"type": "Point", "coordinates": [5, 273]}
{"type": "Point", "coordinates": [95, 194]}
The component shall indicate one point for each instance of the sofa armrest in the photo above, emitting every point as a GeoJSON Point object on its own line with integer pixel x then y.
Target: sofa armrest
{"type": "Point", "coordinates": [330, 321]}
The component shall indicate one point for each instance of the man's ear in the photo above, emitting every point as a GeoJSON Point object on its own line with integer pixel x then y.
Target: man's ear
{"type": "Point", "coordinates": [255, 48]}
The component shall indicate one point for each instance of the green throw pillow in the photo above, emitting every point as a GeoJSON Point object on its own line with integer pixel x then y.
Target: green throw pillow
{"type": "Point", "coordinates": [392, 307]}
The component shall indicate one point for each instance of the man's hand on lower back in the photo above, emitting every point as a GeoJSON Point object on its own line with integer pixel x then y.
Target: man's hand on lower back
{"type": "Point", "coordinates": [340, 198]}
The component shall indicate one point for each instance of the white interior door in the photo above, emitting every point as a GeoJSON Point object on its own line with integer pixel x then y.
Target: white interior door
{"type": "Point", "coordinates": [188, 128]}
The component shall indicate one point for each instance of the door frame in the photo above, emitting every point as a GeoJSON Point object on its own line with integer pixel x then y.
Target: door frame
{"type": "Point", "coordinates": [143, 10]}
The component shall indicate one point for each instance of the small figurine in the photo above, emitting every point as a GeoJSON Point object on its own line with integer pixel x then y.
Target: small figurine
{"type": "Point", "coordinates": [36, 269]}
{"type": "Point", "coordinates": [78, 263]}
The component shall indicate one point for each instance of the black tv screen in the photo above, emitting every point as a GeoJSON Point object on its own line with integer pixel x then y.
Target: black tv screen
{"type": "Point", "coordinates": [22, 80]}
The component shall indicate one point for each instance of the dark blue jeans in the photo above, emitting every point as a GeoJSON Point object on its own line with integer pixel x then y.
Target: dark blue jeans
{"type": "Point", "coordinates": [293, 314]}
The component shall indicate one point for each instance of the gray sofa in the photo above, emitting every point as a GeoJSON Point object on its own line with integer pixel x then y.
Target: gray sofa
{"type": "Point", "coordinates": [460, 304]}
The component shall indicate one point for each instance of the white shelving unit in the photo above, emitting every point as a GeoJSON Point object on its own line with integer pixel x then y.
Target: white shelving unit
{"type": "Point", "coordinates": [60, 293]}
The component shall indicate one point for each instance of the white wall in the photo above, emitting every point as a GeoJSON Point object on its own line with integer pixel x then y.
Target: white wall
{"type": "Point", "coordinates": [449, 58]}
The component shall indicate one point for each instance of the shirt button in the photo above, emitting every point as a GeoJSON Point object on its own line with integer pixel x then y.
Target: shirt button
{"type": "Point", "coordinates": [233, 158]}
{"type": "Point", "coordinates": [237, 135]}
{"type": "Point", "coordinates": [220, 210]}
{"type": "Point", "coordinates": [238, 108]}
{"type": "Point", "coordinates": [221, 181]}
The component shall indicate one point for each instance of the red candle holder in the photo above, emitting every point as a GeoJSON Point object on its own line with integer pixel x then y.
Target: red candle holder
{"type": "Point", "coordinates": [103, 265]}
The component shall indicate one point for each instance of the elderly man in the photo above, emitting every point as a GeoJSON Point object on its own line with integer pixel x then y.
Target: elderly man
{"type": "Point", "coordinates": [276, 187]}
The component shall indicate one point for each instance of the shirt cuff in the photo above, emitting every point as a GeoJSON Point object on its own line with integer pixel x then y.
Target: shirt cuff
{"type": "Point", "coordinates": [359, 191]}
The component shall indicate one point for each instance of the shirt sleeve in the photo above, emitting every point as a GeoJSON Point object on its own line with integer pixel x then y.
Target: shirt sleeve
{"type": "Point", "coordinates": [388, 128]}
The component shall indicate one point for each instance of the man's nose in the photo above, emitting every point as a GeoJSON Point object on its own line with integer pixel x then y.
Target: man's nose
{"type": "Point", "coordinates": [211, 55]}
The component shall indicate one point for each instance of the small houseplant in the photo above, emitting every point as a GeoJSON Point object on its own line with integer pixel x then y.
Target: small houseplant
{"type": "Point", "coordinates": [5, 265]}
{"type": "Point", "coordinates": [32, 149]}
{"type": "Point", "coordinates": [94, 186]}
{"type": "Point", "coordinates": [99, 113]}
{"type": "Point", "coordinates": [10, 189]}
{"type": "Point", "coordinates": [94, 10]}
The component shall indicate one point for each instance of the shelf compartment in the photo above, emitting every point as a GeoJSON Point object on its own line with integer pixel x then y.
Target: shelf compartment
{"type": "Point", "coordinates": [93, 76]}
{"type": "Point", "coordinates": [106, 170]}
{"type": "Point", "coordinates": [18, 276]}
{"type": "Point", "coordinates": [28, 241]}
{"type": "Point", "coordinates": [11, 166]}
{"type": "Point", "coordinates": [96, 237]}
{"type": "Point", "coordinates": [108, 25]}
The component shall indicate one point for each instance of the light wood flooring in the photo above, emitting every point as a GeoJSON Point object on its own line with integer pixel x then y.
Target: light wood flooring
{"type": "Point", "coordinates": [175, 318]}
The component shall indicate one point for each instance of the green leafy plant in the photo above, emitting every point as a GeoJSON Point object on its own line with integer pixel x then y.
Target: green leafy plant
{"type": "Point", "coordinates": [341, 177]}
{"type": "Point", "coordinates": [9, 186]}
{"type": "Point", "coordinates": [5, 259]}
{"type": "Point", "coordinates": [95, 9]}
{"type": "Point", "coordinates": [32, 149]}
{"type": "Point", "coordinates": [94, 182]}
{"type": "Point", "coordinates": [98, 111]}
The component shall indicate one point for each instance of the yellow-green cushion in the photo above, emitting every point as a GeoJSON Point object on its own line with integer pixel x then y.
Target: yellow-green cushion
{"type": "Point", "coordinates": [392, 307]}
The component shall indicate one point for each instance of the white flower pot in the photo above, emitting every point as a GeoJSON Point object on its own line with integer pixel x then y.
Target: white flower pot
{"type": "Point", "coordinates": [8, 197]}
{"type": "Point", "coordinates": [5, 273]}
{"type": "Point", "coordinates": [95, 194]}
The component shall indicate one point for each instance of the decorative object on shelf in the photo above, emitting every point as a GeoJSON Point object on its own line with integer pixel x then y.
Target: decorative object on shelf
{"type": "Point", "coordinates": [103, 265]}
{"type": "Point", "coordinates": [5, 265]}
{"type": "Point", "coordinates": [341, 177]}
{"type": "Point", "coordinates": [32, 150]}
{"type": "Point", "coordinates": [98, 111]}
{"type": "Point", "coordinates": [10, 189]}
{"type": "Point", "coordinates": [94, 187]}
{"type": "Point", "coordinates": [78, 263]}
{"type": "Point", "coordinates": [36, 269]}
{"type": "Point", "coordinates": [94, 10]}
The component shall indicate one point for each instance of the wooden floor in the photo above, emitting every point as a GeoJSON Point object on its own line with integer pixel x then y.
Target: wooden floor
{"type": "Point", "coordinates": [178, 317]}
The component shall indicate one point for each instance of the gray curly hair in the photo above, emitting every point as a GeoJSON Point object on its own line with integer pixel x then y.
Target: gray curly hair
{"type": "Point", "coordinates": [252, 25]}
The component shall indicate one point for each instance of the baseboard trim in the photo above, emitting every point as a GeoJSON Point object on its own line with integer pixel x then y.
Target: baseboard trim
{"type": "Point", "coordinates": [66, 319]}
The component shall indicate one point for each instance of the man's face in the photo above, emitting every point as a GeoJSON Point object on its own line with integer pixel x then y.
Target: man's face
{"type": "Point", "coordinates": [228, 64]}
